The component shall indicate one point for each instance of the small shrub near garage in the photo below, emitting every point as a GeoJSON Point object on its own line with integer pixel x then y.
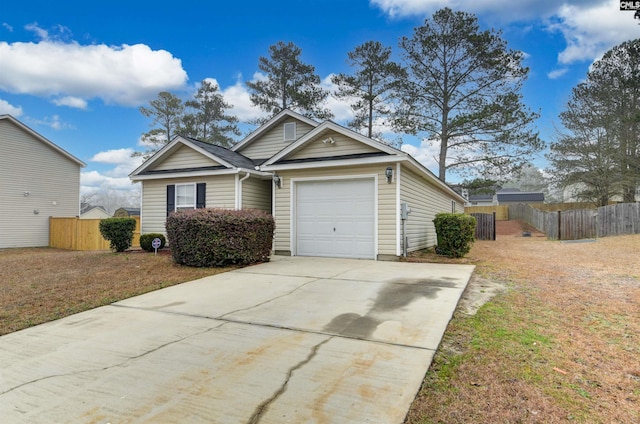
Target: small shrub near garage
{"type": "Point", "coordinates": [219, 237]}
{"type": "Point", "coordinates": [119, 232]}
{"type": "Point", "coordinates": [147, 239]}
{"type": "Point", "coordinates": [455, 233]}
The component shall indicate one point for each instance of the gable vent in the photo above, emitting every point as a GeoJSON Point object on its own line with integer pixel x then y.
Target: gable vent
{"type": "Point", "coordinates": [290, 131]}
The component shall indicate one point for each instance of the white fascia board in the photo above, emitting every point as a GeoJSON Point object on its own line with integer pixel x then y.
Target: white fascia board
{"type": "Point", "coordinates": [272, 123]}
{"type": "Point", "coordinates": [154, 158]}
{"type": "Point", "coordinates": [334, 163]}
{"type": "Point", "coordinates": [436, 181]}
{"type": "Point", "coordinates": [328, 125]}
{"type": "Point", "coordinates": [204, 173]}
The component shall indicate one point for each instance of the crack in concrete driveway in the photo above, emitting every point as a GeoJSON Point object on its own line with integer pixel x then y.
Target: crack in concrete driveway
{"type": "Point", "coordinates": [283, 347]}
{"type": "Point", "coordinates": [262, 408]}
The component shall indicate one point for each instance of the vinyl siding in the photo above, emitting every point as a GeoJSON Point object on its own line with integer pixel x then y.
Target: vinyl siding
{"type": "Point", "coordinates": [256, 194]}
{"type": "Point", "coordinates": [425, 201]}
{"type": "Point", "coordinates": [342, 146]}
{"type": "Point", "coordinates": [53, 181]}
{"type": "Point", "coordinates": [185, 157]}
{"type": "Point", "coordinates": [273, 141]}
{"type": "Point", "coordinates": [220, 194]}
{"type": "Point", "coordinates": [386, 232]}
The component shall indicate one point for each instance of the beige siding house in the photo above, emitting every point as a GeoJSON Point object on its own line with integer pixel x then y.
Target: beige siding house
{"type": "Point", "coordinates": [37, 180]}
{"type": "Point", "coordinates": [332, 192]}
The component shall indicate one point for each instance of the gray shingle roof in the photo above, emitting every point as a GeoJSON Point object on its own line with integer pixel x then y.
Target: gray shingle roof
{"type": "Point", "coordinates": [234, 158]}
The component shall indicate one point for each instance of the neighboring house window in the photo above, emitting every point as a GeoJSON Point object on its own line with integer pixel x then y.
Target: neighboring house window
{"type": "Point", "coordinates": [290, 131]}
{"type": "Point", "coordinates": [186, 196]}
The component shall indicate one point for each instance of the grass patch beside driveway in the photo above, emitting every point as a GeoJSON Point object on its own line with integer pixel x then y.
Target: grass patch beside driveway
{"type": "Point", "coordinates": [42, 284]}
{"type": "Point", "coordinates": [560, 345]}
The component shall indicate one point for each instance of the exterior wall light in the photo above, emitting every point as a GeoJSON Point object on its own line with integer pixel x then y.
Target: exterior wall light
{"type": "Point", "coordinates": [277, 180]}
{"type": "Point", "coordinates": [389, 174]}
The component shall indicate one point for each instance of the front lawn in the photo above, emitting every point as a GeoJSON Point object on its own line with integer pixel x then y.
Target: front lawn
{"type": "Point", "coordinates": [42, 284]}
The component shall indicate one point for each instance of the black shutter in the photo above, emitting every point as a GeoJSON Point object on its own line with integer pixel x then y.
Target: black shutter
{"type": "Point", "coordinates": [201, 194]}
{"type": "Point", "coordinates": [171, 199]}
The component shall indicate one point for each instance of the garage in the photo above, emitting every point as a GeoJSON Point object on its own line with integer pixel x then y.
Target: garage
{"type": "Point", "coordinates": [335, 218]}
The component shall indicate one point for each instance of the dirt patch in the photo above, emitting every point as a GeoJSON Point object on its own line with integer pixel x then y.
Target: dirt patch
{"type": "Point", "coordinates": [559, 342]}
{"type": "Point", "coordinates": [479, 291]}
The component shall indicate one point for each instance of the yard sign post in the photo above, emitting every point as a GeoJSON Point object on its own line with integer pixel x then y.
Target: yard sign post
{"type": "Point", "coordinates": [156, 244]}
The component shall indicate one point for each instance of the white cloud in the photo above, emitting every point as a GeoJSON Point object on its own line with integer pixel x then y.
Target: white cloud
{"type": "Point", "coordinates": [426, 153]}
{"type": "Point", "coordinates": [52, 121]}
{"type": "Point", "coordinates": [589, 27]}
{"type": "Point", "coordinates": [40, 32]}
{"type": "Point", "coordinates": [8, 109]}
{"type": "Point", "coordinates": [126, 75]}
{"type": "Point", "coordinates": [97, 180]}
{"type": "Point", "coordinates": [557, 73]}
{"type": "Point", "coordinates": [7, 27]}
{"type": "Point", "coordinates": [238, 96]}
{"type": "Point", "coordinates": [590, 31]}
{"type": "Point", "coordinates": [339, 107]}
{"type": "Point", "coordinates": [504, 10]}
{"type": "Point", "coordinates": [125, 164]}
{"type": "Point", "coordinates": [71, 101]}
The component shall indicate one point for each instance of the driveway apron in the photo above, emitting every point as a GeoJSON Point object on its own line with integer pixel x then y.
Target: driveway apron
{"type": "Point", "coordinates": [295, 340]}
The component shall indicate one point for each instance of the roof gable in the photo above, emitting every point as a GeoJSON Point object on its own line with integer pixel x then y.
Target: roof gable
{"type": "Point", "coordinates": [319, 143]}
{"type": "Point", "coordinates": [23, 127]}
{"type": "Point", "coordinates": [331, 144]}
{"type": "Point", "coordinates": [184, 154]}
{"type": "Point", "coordinates": [280, 118]}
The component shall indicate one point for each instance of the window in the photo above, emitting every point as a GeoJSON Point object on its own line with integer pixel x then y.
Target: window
{"type": "Point", "coordinates": [289, 131]}
{"type": "Point", "coordinates": [185, 196]}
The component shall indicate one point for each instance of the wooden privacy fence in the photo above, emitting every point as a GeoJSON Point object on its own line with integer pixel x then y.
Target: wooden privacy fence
{"type": "Point", "coordinates": [485, 226]}
{"type": "Point", "coordinates": [622, 218]}
{"type": "Point", "coordinates": [82, 234]}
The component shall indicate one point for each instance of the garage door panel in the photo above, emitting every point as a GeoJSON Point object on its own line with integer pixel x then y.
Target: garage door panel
{"type": "Point", "coordinates": [335, 218]}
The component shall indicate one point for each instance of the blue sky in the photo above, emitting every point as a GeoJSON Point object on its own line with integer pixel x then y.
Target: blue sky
{"type": "Point", "coordinates": [77, 72]}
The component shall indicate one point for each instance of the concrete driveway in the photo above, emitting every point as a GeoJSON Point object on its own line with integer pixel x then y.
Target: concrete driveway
{"type": "Point", "coordinates": [295, 340]}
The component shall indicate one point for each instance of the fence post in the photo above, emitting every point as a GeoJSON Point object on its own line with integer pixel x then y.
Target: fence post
{"type": "Point", "coordinates": [494, 225]}
{"type": "Point", "coordinates": [559, 225]}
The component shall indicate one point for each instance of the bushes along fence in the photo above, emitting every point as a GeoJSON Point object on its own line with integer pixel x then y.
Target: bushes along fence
{"type": "Point", "coordinates": [82, 234]}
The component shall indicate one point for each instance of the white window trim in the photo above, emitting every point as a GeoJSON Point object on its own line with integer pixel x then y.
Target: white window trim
{"type": "Point", "coordinates": [186, 206]}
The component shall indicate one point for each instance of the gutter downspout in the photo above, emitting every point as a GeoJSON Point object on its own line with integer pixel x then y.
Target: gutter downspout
{"type": "Point", "coordinates": [239, 189]}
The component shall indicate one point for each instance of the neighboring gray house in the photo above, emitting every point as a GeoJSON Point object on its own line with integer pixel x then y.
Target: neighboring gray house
{"type": "Point", "coordinates": [515, 196]}
{"type": "Point", "coordinates": [37, 180]}
{"type": "Point", "coordinates": [333, 192]}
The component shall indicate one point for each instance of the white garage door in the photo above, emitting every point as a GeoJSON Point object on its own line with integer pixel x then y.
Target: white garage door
{"type": "Point", "coordinates": [335, 218]}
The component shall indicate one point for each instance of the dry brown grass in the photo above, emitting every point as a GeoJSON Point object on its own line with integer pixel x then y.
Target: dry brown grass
{"type": "Point", "coordinates": [40, 285]}
{"type": "Point", "coordinates": [562, 344]}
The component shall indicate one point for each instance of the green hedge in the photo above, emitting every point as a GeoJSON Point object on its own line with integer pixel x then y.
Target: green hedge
{"type": "Point", "coordinates": [455, 233]}
{"type": "Point", "coordinates": [119, 232]}
{"type": "Point", "coordinates": [219, 237]}
{"type": "Point", "coordinates": [147, 239]}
